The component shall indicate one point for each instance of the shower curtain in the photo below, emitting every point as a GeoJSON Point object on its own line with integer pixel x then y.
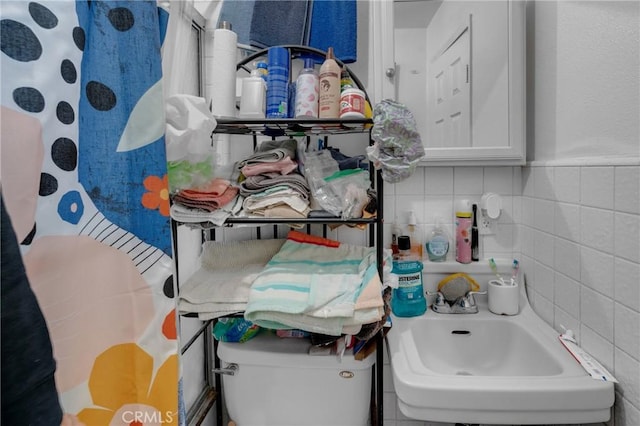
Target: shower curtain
{"type": "Point", "coordinates": [84, 179]}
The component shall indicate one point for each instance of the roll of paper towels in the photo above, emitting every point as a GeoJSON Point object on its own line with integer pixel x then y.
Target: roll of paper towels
{"type": "Point", "coordinates": [223, 72]}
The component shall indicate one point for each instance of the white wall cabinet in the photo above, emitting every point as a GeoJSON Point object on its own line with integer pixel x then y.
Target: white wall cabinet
{"type": "Point", "coordinates": [459, 66]}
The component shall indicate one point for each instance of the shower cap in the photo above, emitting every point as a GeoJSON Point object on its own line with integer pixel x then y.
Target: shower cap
{"type": "Point", "coordinates": [397, 147]}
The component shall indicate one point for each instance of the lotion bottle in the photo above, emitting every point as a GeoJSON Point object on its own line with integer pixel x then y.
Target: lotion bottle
{"type": "Point", "coordinates": [463, 231]}
{"type": "Point", "coordinates": [329, 106]}
{"type": "Point", "coordinates": [307, 91]}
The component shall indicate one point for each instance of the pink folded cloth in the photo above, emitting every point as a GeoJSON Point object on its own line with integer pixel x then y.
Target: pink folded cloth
{"type": "Point", "coordinates": [210, 197]}
{"type": "Point", "coordinates": [215, 187]}
{"type": "Point", "coordinates": [284, 167]}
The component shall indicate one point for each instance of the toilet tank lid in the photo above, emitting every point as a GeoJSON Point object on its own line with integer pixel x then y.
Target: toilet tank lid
{"type": "Point", "coordinates": [267, 349]}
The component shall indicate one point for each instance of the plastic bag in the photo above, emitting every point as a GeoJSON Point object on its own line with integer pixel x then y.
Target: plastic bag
{"type": "Point", "coordinates": [348, 189]}
{"type": "Point", "coordinates": [189, 125]}
{"type": "Point", "coordinates": [234, 330]}
{"type": "Point", "coordinates": [317, 166]}
{"type": "Point", "coordinates": [397, 147]}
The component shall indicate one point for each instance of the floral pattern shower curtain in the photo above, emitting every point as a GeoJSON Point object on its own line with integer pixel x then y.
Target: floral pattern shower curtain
{"type": "Point", "coordinates": [84, 180]}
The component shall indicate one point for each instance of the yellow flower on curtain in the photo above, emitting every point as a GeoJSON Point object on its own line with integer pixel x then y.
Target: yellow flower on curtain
{"type": "Point", "coordinates": [125, 391]}
{"type": "Point", "coordinates": [158, 195]}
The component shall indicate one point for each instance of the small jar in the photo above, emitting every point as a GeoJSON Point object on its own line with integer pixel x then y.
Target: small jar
{"type": "Point", "coordinates": [352, 103]}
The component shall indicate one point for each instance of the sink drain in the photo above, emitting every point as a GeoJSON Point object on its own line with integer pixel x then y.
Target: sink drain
{"type": "Point", "coordinates": [463, 373]}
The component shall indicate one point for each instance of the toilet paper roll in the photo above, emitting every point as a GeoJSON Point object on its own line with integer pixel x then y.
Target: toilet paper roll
{"type": "Point", "coordinates": [223, 73]}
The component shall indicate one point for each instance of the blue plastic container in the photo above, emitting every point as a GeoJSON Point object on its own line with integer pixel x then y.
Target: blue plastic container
{"type": "Point", "coordinates": [278, 82]}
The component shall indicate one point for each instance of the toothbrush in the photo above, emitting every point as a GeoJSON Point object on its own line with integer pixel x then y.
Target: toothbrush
{"type": "Point", "coordinates": [494, 268]}
{"type": "Point", "coordinates": [515, 267]}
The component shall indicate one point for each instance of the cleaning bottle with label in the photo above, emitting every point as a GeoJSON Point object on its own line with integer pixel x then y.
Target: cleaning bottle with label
{"type": "Point", "coordinates": [329, 106]}
{"type": "Point", "coordinates": [408, 299]}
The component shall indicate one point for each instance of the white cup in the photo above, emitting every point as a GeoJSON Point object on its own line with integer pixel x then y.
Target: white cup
{"type": "Point", "coordinates": [503, 298]}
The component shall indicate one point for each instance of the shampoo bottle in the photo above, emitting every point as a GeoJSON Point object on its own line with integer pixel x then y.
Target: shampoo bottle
{"type": "Point", "coordinates": [408, 299]}
{"type": "Point", "coordinates": [438, 244]}
{"type": "Point", "coordinates": [463, 231]}
{"type": "Point", "coordinates": [329, 106]}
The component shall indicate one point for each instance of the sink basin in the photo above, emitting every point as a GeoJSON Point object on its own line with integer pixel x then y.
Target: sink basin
{"type": "Point", "coordinates": [487, 368]}
{"type": "Point", "coordinates": [481, 346]}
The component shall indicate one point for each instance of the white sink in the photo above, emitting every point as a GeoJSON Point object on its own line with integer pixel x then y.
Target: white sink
{"type": "Point", "coordinates": [486, 368]}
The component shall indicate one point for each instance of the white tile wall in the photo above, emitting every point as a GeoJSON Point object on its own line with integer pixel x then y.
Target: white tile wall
{"type": "Point", "coordinates": [576, 230]}
{"type": "Point", "coordinates": [596, 279]}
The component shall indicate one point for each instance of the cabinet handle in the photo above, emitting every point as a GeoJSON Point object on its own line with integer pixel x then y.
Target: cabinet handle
{"type": "Point", "coordinates": [390, 72]}
{"type": "Point", "coordinates": [229, 371]}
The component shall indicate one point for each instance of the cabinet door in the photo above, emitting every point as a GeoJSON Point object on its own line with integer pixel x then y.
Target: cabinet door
{"type": "Point", "coordinates": [459, 66]}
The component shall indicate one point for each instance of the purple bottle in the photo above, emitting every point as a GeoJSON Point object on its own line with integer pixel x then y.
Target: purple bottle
{"type": "Point", "coordinates": [463, 231]}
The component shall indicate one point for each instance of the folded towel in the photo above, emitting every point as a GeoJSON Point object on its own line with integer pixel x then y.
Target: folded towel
{"type": "Point", "coordinates": [277, 196]}
{"type": "Point", "coordinates": [206, 201]}
{"type": "Point", "coordinates": [284, 167]}
{"type": "Point", "coordinates": [227, 270]}
{"type": "Point", "coordinates": [188, 215]}
{"type": "Point", "coordinates": [278, 23]}
{"type": "Point", "coordinates": [271, 152]}
{"type": "Point", "coordinates": [313, 287]}
{"type": "Point", "coordinates": [334, 23]}
{"type": "Point", "coordinates": [256, 184]}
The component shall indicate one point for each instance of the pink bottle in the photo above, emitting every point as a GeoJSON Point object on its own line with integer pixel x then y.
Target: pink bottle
{"type": "Point", "coordinates": [463, 231]}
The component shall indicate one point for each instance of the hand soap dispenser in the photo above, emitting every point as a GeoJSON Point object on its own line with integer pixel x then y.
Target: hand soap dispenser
{"type": "Point", "coordinates": [438, 244]}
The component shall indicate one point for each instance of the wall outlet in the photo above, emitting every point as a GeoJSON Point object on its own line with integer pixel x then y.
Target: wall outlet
{"type": "Point", "coordinates": [486, 226]}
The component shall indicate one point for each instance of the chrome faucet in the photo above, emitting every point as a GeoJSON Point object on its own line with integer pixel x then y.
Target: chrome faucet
{"type": "Point", "coordinates": [462, 305]}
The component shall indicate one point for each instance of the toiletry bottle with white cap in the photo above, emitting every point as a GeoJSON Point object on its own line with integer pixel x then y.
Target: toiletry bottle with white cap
{"type": "Point", "coordinates": [463, 226]}
{"type": "Point", "coordinates": [414, 233]}
{"type": "Point", "coordinates": [253, 99]}
{"type": "Point", "coordinates": [329, 106]}
{"type": "Point", "coordinates": [307, 91]}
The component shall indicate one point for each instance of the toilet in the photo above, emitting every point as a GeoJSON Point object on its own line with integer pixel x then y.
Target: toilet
{"type": "Point", "coordinates": [277, 383]}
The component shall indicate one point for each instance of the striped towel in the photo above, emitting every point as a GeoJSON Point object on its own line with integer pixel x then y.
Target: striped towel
{"type": "Point", "coordinates": [314, 286]}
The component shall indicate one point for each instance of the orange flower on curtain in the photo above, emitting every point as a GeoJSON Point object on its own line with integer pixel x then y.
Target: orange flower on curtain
{"type": "Point", "coordinates": [158, 195]}
{"type": "Point", "coordinates": [125, 391]}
